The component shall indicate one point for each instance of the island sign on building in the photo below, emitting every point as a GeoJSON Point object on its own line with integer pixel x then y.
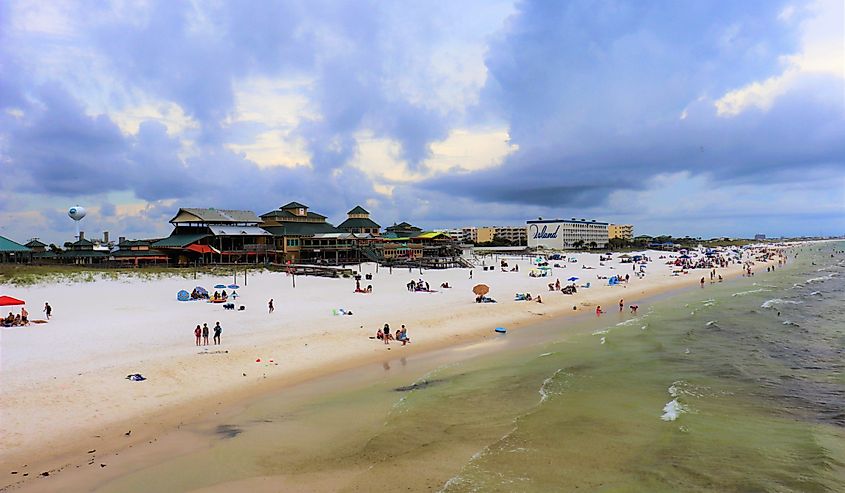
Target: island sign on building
{"type": "Point", "coordinates": [566, 233]}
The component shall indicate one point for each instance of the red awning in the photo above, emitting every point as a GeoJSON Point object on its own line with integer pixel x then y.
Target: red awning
{"type": "Point", "coordinates": [9, 301]}
{"type": "Point", "coordinates": [202, 249]}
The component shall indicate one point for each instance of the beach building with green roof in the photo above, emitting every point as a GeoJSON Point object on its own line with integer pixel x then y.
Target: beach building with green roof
{"type": "Point", "coordinates": [138, 253]}
{"type": "Point", "coordinates": [13, 252]}
{"type": "Point", "coordinates": [289, 224]}
{"type": "Point", "coordinates": [82, 252]}
{"type": "Point", "coordinates": [358, 221]}
{"type": "Point", "coordinates": [210, 235]}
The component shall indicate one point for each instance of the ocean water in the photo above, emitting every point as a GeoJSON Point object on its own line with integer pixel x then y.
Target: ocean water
{"type": "Point", "coordinates": [735, 387]}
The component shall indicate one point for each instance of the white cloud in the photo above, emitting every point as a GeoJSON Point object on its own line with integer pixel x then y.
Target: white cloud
{"type": "Point", "coordinates": [169, 114]}
{"type": "Point", "coordinates": [278, 106]}
{"type": "Point", "coordinates": [463, 150]}
{"type": "Point", "coordinates": [822, 52]}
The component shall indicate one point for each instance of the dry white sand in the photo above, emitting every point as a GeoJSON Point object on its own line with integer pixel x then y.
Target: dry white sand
{"type": "Point", "coordinates": [66, 379]}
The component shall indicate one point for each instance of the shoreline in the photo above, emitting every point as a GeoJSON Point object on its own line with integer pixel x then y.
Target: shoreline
{"type": "Point", "coordinates": [149, 424]}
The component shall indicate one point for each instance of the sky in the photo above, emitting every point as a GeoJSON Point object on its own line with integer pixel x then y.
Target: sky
{"type": "Point", "coordinates": [701, 118]}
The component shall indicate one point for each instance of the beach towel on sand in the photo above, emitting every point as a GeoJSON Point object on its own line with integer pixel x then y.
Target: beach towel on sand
{"type": "Point", "coordinates": [136, 377]}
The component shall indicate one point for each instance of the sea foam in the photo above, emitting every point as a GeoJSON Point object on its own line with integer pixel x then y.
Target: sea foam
{"type": "Point", "coordinates": [743, 293]}
{"type": "Point", "coordinates": [672, 410]}
{"type": "Point", "coordinates": [778, 301]}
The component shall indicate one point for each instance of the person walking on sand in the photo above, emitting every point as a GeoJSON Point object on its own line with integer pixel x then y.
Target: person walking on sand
{"type": "Point", "coordinates": [217, 331]}
{"type": "Point", "coordinates": [470, 273]}
{"type": "Point", "coordinates": [270, 306]}
{"type": "Point", "coordinates": [621, 305]}
{"type": "Point", "coordinates": [48, 310]}
{"type": "Point", "coordinates": [198, 334]}
{"type": "Point", "coordinates": [205, 334]}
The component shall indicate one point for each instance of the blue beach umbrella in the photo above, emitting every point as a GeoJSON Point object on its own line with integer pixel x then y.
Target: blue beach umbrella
{"type": "Point", "coordinates": [220, 286]}
{"type": "Point", "coordinates": [572, 279]}
{"type": "Point", "coordinates": [233, 286]}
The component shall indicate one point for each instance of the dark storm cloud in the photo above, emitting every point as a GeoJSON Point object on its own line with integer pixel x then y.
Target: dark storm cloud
{"type": "Point", "coordinates": [594, 94]}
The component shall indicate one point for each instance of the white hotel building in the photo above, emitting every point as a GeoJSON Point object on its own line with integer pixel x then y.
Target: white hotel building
{"type": "Point", "coordinates": [564, 233]}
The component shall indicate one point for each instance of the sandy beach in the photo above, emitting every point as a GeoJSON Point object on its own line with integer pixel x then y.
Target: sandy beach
{"type": "Point", "coordinates": [64, 382]}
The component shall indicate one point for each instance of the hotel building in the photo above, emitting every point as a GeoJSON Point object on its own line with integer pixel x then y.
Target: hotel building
{"type": "Point", "coordinates": [622, 231]}
{"type": "Point", "coordinates": [564, 233]}
{"type": "Point", "coordinates": [515, 234]}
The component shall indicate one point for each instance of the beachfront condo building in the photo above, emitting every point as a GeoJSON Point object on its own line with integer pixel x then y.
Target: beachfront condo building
{"type": "Point", "coordinates": [461, 235]}
{"type": "Point", "coordinates": [517, 235]}
{"type": "Point", "coordinates": [621, 231]}
{"type": "Point", "coordinates": [567, 233]}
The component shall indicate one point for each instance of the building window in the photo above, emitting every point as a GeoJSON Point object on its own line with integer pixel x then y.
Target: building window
{"type": "Point", "coordinates": [294, 242]}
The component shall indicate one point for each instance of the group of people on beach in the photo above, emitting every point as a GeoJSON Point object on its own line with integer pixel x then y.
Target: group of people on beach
{"type": "Point", "coordinates": [201, 334]}
{"type": "Point", "coordinates": [22, 318]}
{"type": "Point", "coordinates": [400, 336]}
{"type": "Point", "coordinates": [18, 320]}
{"type": "Point", "coordinates": [633, 308]}
{"type": "Point", "coordinates": [419, 285]}
{"type": "Point", "coordinates": [568, 289]}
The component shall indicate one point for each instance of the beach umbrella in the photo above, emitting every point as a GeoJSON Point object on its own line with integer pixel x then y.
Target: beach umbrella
{"type": "Point", "coordinates": [201, 290]}
{"type": "Point", "coordinates": [9, 301]}
{"type": "Point", "coordinates": [219, 286]}
{"type": "Point", "coordinates": [233, 286]}
{"type": "Point", "coordinates": [573, 278]}
{"type": "Point", "coordinates": [481, 289]}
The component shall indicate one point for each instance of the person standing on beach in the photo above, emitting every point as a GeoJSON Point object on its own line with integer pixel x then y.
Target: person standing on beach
{"type": "Point", "coordinates": [386, 332]}
{"type": "Point", "coordinates": [598, 311]}
{"type": "Point", "coordinates": [470, 273]}
{"type": "Point", "coordinates": [270, 305]}
{"type": "Point", "coordinates": [205, 334]}
{"type": "Point", "coordinates": [621, 305]}
{"type": "Point", "coordinates": [48, 310]}
{"type": "Point", "coordinates": [702, 282]}
{"type": "Point", "coordinates": [217, 331]}
{"type": "Point", "coordinates": [198, 334]}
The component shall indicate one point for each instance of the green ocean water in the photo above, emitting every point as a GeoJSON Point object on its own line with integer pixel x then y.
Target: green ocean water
{"type": "Point", "coordinates": [735, 387]}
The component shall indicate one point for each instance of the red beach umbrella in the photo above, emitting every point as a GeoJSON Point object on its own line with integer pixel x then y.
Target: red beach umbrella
{"type": "Point", "coordinates": [9, 301]}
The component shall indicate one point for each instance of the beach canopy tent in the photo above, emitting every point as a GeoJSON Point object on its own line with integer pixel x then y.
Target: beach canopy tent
{"type": "Point", "coordinates": [9, 301]}
{"type": "Point", "coordinates": [183, 295]}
